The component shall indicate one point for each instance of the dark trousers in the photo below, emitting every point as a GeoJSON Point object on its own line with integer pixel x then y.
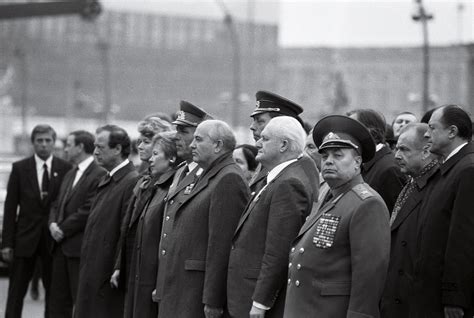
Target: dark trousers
{"type": "Point", "coordinates": [62, 295]}
{"type": "Point", "coordinates": [21, 271]}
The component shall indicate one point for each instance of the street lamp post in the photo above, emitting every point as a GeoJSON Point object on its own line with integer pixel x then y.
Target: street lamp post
{"type": "Point", "coordinates": [20, 54]}
{"type": "Point", "coordinates": [229, 22]}
{"type": "Point", "coordinates": [104, 49]}
{"type": "Point", "coordinates": [423, 17]}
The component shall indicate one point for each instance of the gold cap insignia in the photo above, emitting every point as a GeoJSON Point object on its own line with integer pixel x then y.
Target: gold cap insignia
{"type": "Point", "coordinates": [181, 115]}
{"type": "Point", "coordinates": [331, 136]}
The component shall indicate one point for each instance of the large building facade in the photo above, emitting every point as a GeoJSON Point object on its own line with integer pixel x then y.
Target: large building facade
{"type": "Point", "coordinates": [328, 80]}
{"type": "Point", "coordinates": [130, 64]}
{"type": "Point", "coordinates": [136, 63]}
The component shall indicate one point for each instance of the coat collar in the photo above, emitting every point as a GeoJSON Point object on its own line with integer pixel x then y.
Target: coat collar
{"type": "Point", "coordinates": [413, 200]}
{"type": "Point", "coordinates": [321, 208]}
{"type": "Point", "coordinates": [118, 175]}
{"type": "Point", "coordinates": [255, 197]}
{"type": "Point", "coordinates": [31, 166]}
{"type": "Point", "coordinates": [451, 162]}
{"type": "Point", "coordinates": [165, 177]}
{"type": "Point", "coordinates": [378, 155]}
{"type": "Point", "coordinates": [86, 172]}
{"type": "Point", "coordinates": [216, 166]}
{"type": "Point", "coordinates": [260, 174]}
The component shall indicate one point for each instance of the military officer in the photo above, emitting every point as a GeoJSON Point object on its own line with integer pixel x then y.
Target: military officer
{"type": "Point", "coordinates": [339, 259]}
{"type": "Point", "coordinates": [268, 106]}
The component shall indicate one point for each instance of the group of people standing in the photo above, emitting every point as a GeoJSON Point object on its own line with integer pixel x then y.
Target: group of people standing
{"type": "Point", "coordinates": [326, 223]}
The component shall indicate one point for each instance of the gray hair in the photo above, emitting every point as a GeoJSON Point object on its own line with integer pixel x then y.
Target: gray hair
{"type": "Point", "coordinates": [220, 131]}
{"type": "Point", "coordinates": [289, 129]}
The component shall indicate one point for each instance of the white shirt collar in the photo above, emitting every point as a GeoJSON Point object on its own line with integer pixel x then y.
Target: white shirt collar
{"type": "Point", "coordinates": [121, 165]}
{"type": "Point", "coordinates": [275, 171]}
{"type": "Point", "coordinates": [39, 162]}
{"type": "Point", "coordinates": [378, 147]}
{"type": "Point", "coordinates": [455, 151]}
{"type": "Point", "coordinates": [84, 164]}
{"type": "Point", "coordinates": [191, 166]}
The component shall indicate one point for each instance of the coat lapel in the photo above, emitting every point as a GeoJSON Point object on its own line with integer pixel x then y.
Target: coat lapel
{"type": "Point", "coordinates": [68, 190]}
{"type": "Point", "coordinates": [186, 181]}
{"type": "Point", "coordinates": [81, 179]}
{"type": "Point", "coordinates": [258, 176]}
{"type": "Point", "coordinates": [33, 176]}
{"type": "Point", "coordinates": [378, 155]}
{"type": "Point", "coordinates": [414, 199]}
{"type": "Point", "coordinates": [314, 217]}
{"type": "Point", "coordinates": [256, 197]}
{"type": "Point", "coordinates": [201, 182]}
{"type": "Point", "coordinates": [250, 205]}
{"type": "Point", "coordinates": [410, 204]}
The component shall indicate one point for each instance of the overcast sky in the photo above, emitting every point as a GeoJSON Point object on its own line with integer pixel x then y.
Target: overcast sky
{"type": "Point", "coordinates": [334, 22]}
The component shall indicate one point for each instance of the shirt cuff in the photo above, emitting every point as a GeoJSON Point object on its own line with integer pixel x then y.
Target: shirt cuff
{"type": "Point", "coordinates": [260, 306]}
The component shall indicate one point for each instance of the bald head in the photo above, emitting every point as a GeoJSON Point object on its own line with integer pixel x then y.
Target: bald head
{"type": "Point", "coordinates": [412, 150]}
{"type": "Point", "coordinates": [212, 139]}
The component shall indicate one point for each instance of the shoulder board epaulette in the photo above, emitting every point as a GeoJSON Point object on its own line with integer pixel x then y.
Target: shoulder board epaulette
{"type": "Point", "coordinates": [362, 191]}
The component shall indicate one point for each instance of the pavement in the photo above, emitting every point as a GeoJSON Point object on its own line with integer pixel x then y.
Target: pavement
{"type": "Point", "coordinates": [31, 308]}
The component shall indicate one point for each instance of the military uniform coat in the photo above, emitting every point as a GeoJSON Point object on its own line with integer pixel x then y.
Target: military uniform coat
{"type": "Point", "coordinates": [259, 256]}
{"type": "Point", "coordinates": [144, 260]}
{"type": "Point", "coordinates": [444, 270]}
{"type": "Point", "coordinates": [25, 232]}
{"type": "Point", "coordinates": [339, 260]}
{"type": "Point", "coordinates": [198, 226]}
{"type": "Point", "coordinates": [75, 204]}
{"type": "Point", "coordinates": [397, 295]}
{"type": "Point", "coordinates": [95, 297]}
{"type": "Point", "coordinates": [383, 174]}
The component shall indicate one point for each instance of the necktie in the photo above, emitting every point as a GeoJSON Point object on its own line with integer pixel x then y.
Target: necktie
{"type": "Point", "coordinates": [74, 181]}
{"type": "Point", "coordinates": [45, 182]}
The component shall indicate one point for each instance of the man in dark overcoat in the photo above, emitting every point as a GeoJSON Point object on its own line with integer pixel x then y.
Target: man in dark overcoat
{"type": "Point", "coordinates": [268, 106]}
{"type": "Point", "coordinates": [444, 271]}
{"type": "Point", "coordinates": [197, 229]}
{"type": "Point", "coordinates": [68, 218]}
{"type": "Point", "coordinates": [33, 184]}
{"type": "Point", "coordinates": [96, 296]}
{"type": "Point", "coordinates": [415, 160]}
{"type": "Point", "coordinates": [339, 259]}
{"type": "Point", "coordinates": [381, 172]}
{"type": "Point", "coordinates": [259, 257]}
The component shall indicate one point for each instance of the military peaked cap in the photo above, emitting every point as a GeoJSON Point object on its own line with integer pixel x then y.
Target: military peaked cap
{"type": "Point", "coordinates": [337, 131]}
{"type": "Point", "coordinates": [271, 102]}
{"type": "Point", "coordinates": [190, 115]}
